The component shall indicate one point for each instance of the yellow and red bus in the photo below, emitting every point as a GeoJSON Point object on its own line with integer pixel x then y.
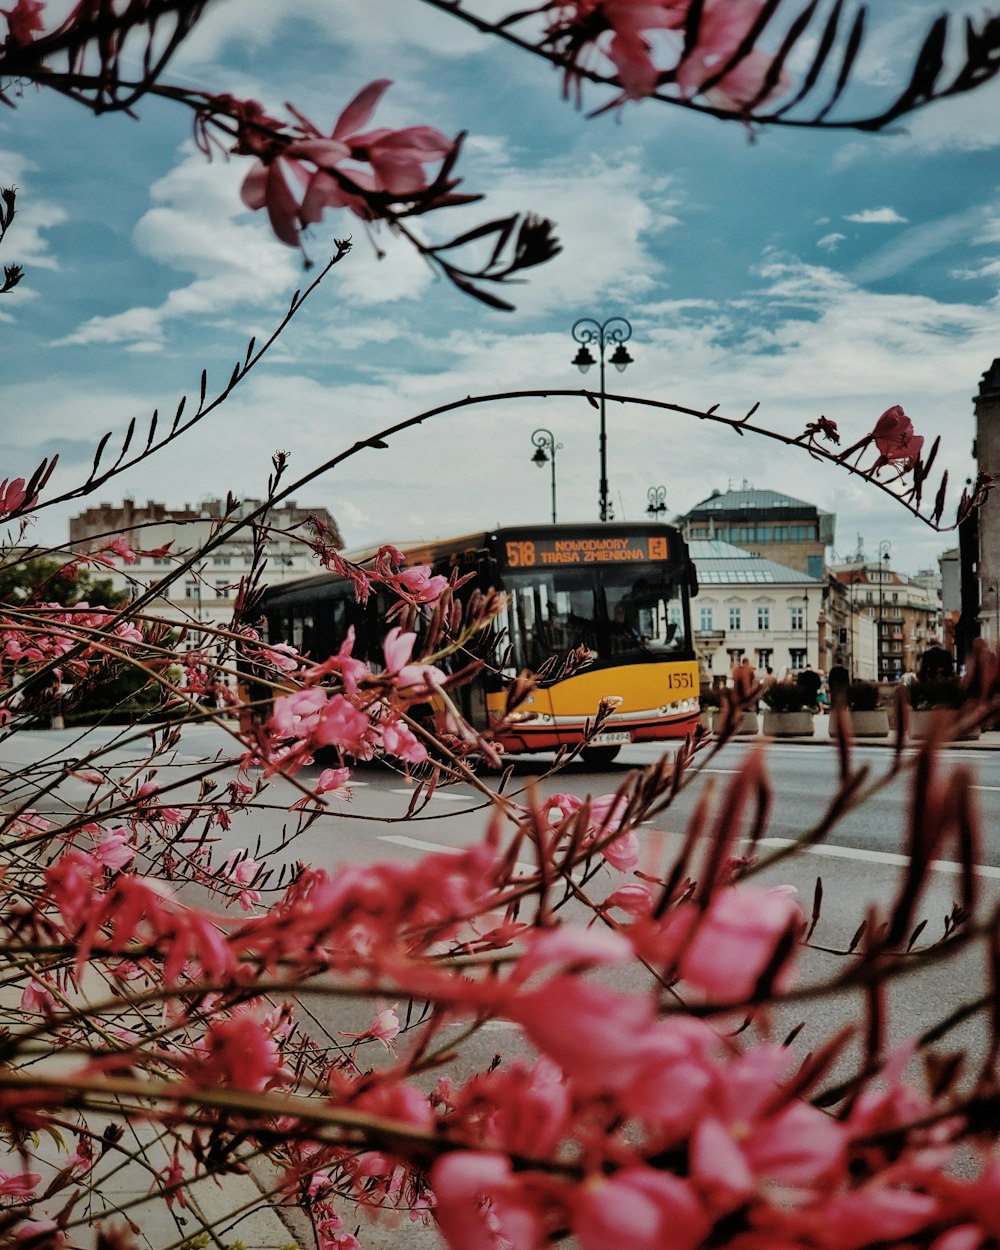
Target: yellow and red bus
{"type": "Point", "coordinates": [621, 591]}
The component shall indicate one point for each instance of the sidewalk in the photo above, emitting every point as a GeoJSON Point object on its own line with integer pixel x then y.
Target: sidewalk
{"type": "Point", "coordinates": [987, 741]}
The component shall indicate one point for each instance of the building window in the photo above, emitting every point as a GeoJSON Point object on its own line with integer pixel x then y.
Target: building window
{"type": "Point", "coordinates": [192, 590]}
{"type": "Point", "coordinates": [764, 657]}
{"type": "Point", "coordinates": [161, 562]}
{"type": "Point", "coordinates": [735, 618]}
{"type": "Point", "coordinates": [674, 614]}
{"type": "Point", "coordinates": [764, 618]}
{"type": "Point", "coordinates": [781, 533]}
{"type": "Point", "coordinates": [798, 618]}
{"type": "Point", "coordinates": [222, 590]}
{"type": "Point", "coordinates": [221, 562]}
{"type": "Point", "coordinates": [763, 533]}
{"type": "Point", "coordinates": [797, 658]}
{"type": "Point", "coordinates": [705, 619]}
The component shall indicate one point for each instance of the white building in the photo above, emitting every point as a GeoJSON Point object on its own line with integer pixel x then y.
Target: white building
{"type": "Point", "coordinates": [750, 606]}
{"type": "Point", "coordinates": [203, 593]}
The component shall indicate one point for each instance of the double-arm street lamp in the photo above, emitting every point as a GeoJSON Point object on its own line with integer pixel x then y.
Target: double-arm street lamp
{"type": "Point", "coordinates": [545, 446]}
{"type": "Point", "coordinates": [616, 332]}
{"type": "Point", "coordinates": [657, 501]}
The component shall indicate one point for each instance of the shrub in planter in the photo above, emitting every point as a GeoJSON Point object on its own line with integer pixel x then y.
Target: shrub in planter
{"type": "Point", "coordinates": [936, 692]}
{"type": "Point", "coordinates": [863, 696]}
{"type": "Point", "coordinates": [785, 696]}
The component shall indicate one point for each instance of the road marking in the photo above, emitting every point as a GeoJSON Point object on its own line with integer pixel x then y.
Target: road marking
{"type": "Point", "coordinates": [882, 857]}
{"type": "Point", "coordinates": [418, 844]}
{"type": "Point", "coordinates": [444, 796]}
{"type": "Point", "coordinates": [984, 787]}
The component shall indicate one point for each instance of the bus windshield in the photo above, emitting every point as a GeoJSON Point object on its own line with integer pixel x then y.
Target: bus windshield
{"type": "Point", "coordinates": [619, 613]}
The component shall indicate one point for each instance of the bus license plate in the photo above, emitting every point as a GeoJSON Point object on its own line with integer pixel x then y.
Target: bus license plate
{"type": "Point", "coordinates": [621, 739]}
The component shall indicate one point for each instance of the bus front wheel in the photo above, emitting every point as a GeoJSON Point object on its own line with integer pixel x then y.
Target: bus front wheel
{"type": "Point", "coordinates": [598, 757]}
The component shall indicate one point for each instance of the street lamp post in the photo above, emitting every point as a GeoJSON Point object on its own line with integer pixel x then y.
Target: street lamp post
{"type": "Point", "coordinates": [884, 548]}
{"type": "Point", "coordinates": [656, 498]}
{"type": "Point", "coordinates": [615, 331]}
{"type": "Point", "coordinates": [545, 446]}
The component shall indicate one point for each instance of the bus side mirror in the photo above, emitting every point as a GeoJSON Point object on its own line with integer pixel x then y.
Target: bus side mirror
{"type": "Point", "coordinates": [692, 580]}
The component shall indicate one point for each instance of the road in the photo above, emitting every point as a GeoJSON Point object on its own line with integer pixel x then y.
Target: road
{"type": "Point", "coordinates": [860, 863]}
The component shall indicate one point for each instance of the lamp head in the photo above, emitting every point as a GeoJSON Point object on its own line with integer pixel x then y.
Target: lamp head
{"type": "Point", "coordinates": [621, 359]}
{"type": "Point", "coordinates": [540, 458]}
{"type": "Point", "coordinates": [583, 359]}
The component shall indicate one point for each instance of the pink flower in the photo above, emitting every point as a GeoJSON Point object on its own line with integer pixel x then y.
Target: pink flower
{"type": "Point", "coordinates": [19, 1184]}
{"type": "Point", "coordinates": [419, 585]}
{"type": "Point", "coordinates": [113, 850]}
{"type": "Point", "coordinates": [384, 1028]}
{"type": "Point", "coordinates": [23, 21]}
{"type": "Point", "coordinates": [121, 548]}
{"type": "Point", "coordinates": [12, 493]}
{"type": "Point", "coordinates": [342, 725]}
{"type": "Point", "coordinates": [295, 196]}
{"type": "Point", "coordinates": [589, 1030]}
{"type": "Point", "coordinates": [895, 439]}
{"type": "Point", "coordinates": [399, 740]}
{"type": "Point", "coordinates": [480, 1201]}
{"type": "Point", "coordinates": [725, 950]}
{"type": "Point", "coordinates": [639, 1208]}
{"type": "Point", "coordinates": [334, 780]}
{"type": "Point", "coordinates": [636, 899]}
{"type": "Point", "coordinates": [238, 1053]}
{"type": "Point", "coordinates": [739, 1144]}
{"type": "Point", "coordinates": [411, 679]}
{"type": "Point", "coordinates": [723, 27]}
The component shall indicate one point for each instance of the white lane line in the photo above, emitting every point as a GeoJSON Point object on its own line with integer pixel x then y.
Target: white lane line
{"type": "Point", "coordinates": [882, 857]}
{"type": "Point", "coordinates": [445, 797]}
{"type": "Point", "coordinates": [418, 844]}
{"type": "Point", "coordinates": [984, 787]}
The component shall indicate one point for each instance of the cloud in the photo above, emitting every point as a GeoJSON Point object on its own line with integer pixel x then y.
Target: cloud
{"type": "Point", "coordinates": [830, 242]}
{"type": "Point", "coordinates": [918, 244]}
{"type": "Point", "coordinates": [198, 225]}
{"type": "Point", "coordinates": [24, 244]}
{"type": "Point", "coordinates": [876, 217]}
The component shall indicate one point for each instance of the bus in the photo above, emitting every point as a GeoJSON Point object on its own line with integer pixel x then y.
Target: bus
{"type": "Point", "coordinates": [620, 591]}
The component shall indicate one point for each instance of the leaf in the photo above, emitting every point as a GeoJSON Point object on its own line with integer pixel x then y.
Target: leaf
{"type": "Point", "coordinates": [152, 428]}
{"type": "Point", "coordinates": [484, 297]}
{"type": "Point", "coordinates": [503, 226]}
{"type": "Point", "coordinates": [858, 935]}
{"type": "Point", "coordinates": [178, 414]}
{"type": "Point", "coordinates": [850, 53]}
{"type": "Point", "coordinates": [915, 934]}
{"type": "Point", "coordinates": [97, 454]}
{"type": "Point", "coordinates": [250, 347]}
{"type": "Point", "coordinates": [591, 400]}
{"type": "Point", "coordinates": [204, 385]}
{"type": "Point", "coordinates": [128, 437]}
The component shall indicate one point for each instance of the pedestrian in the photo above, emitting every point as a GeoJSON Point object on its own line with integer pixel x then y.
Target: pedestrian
{"type": "Point", "coordinates": [837, 682]}
{"type": "Point", "coordinates": [936, 663]}
{"type": "Point", "coordinates": [809, 682]}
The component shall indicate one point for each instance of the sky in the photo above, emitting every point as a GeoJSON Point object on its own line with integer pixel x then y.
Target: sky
{"type": "Point", "coordinates": [831, 274]}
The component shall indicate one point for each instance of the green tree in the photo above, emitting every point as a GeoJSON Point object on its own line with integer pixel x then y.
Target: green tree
{"type": "Point", "coordinates": [42, 580]}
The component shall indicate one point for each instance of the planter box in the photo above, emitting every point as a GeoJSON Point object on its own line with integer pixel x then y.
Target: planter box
{"type": "Point", "coordinates": [872, 724]}
{"type": "Point", "coordinates": [788, 724]}
{"type": "Point", "coordinates": [748, 725]}
{"type": "Point", "coordinates": [920, 724]}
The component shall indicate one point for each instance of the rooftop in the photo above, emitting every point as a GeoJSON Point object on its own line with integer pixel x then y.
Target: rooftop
{"type": "Point", "coordinates": [722, 564]}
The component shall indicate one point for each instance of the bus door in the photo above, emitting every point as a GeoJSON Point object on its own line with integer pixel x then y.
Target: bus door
{"type": "Point", "coordinates": [551, 613]}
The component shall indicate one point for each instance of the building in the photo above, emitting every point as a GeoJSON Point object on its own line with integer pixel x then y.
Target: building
{"type": "Point", "coordinates": [751, 606]}
{"type": "Point", "coordinates": [981, 554]}
{"type": "Point", "coordinates": [767, 523]}
{"type": "Point", "coordinates": [906, 612]}
{"type": "Point", "coordinates": [204, 592]}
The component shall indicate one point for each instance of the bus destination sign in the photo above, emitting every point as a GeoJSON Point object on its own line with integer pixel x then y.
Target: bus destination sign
{"type": "Point", "coordinates": [536, 553]}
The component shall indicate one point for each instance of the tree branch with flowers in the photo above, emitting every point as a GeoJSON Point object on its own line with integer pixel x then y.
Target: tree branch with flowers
{"type": "Point", "coordinates": [185, 990]}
